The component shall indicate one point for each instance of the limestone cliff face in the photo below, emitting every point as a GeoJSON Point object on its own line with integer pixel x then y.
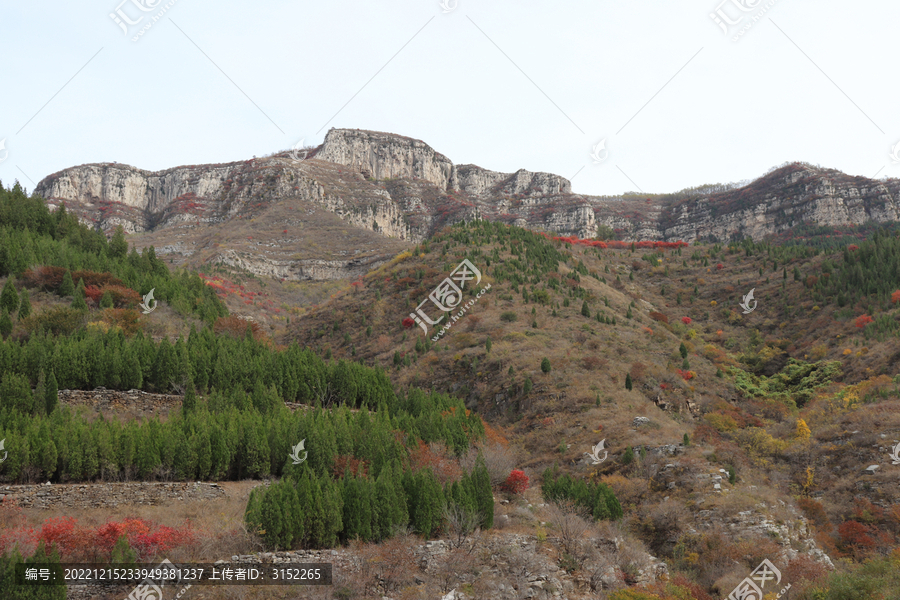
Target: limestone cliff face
{"type": "Point", "coordinates": [400, 188]}
{"type": "Point", "coordinates": [388, 156]}
{"type": "Point", "coordinates": [781, 200]}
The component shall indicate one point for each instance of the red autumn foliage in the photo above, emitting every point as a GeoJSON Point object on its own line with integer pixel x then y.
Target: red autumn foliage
{"type": "Point", "coordinates": [658, 316]}
{"type": "Point", "coordinates": [856, 535]}
{"type": "Point", "coordinates": [852, 247]}
{"type": "Point", "coordinates": [686, 375]}
{"type": "Point", "coordinates": [237, 327]}
{"type": "Point", "coordinates": [863, 320]}
{"type": "Point", "coordinates": [895, 297]}
{"type": "Point", "coordinates": [344, 464]}
{"type": "Point", "coordinates": [126, 318]}
{"type": "Point", "coordinates": [408, 323]}
{"type": "Point", "coordinates": [686, 320]}
{"type": "Point", "coordinates": [516, 483]}
{"type": "Point", "coordinates": [444, 467]}
{"type": "Point", "coordinates": [75, 542]}
{"type": "Point", "coordinates": [121, 296]}
{"type": "Point", "coordinates": [615, 243]}
{"type": "Point", "coordinates": [719, 267]}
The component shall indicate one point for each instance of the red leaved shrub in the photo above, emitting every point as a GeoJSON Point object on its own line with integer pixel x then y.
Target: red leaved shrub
{"type": "Point", "coordinates": [516, 483]}
{"type": "Point", "coordinates": [863, 320]}
{"type": "Point", "coordinates": [686, 320]}
{"type": "Point", "coordinates": [658, 316]}
{"type": "Point", "coordinates": [408, 323]}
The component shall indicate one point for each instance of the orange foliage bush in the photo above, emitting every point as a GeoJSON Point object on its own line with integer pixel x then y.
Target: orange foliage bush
{"type": "Point", "coordinates": [237, 327]}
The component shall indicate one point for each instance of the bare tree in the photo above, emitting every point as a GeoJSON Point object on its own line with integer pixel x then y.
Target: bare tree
{"type": "Point", "coordinates": [500, 460]}
{"type": "Point", "coordinates": [461, 523]}
{"type": "Point", "coordinates": [571, 521]}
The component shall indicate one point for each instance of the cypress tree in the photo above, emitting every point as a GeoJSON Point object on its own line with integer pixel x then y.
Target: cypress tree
{"type": "Point", "coordinates": [189, 401]}
{"type": "Point", "coordinates": [9, 297]}
{"type": "Point", "coordinates": [683, 350]}
{"type": "Point", "coordinates": [51, 393]}
{"type": "Point", "coordinates": [78, 301]}
{"type": "Point", "coordinates": [118, 246]}
{"type": "Point", "coordinates": [484, 497]}
{"type": "Point", "coordinates": [67, 287]}
{"type": "Point", "coordinates": [106, 300]}
{"type": "Point", "coordinates": [6, 325]}
{"type": "Point", "coordinates": [628, 384]}
{"type": "Point", "coordinates": [585, 311]}
{"type": "Point", "coordinates": [24, 304]}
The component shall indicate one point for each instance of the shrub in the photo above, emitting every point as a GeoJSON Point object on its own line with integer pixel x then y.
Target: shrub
{"type": "Point", "coordinates": [863, 320]}
{"type": "Point", "coordinates": [686, 320]}
{"type": "Point", "coordinates": [545, 365]}
{"type": "Point", "coordinates": [509, 316]}
{"type": "Point", "coordinates": [59, 320]}
{"type": "Point", "coordinates": [658, 316]}
{"type": "Point", "coordinates": [516, 483]}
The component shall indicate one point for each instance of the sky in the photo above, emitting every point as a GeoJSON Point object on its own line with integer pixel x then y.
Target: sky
{"type": "Point", "coordinates": [616, 95]}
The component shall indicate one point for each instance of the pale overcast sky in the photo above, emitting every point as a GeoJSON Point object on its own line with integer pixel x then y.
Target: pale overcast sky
{"type": "Point", "coordinates": [501, 84]}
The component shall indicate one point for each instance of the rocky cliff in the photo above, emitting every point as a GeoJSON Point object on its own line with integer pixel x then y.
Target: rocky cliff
{"type": "Point", "coordinates": [398, 188]}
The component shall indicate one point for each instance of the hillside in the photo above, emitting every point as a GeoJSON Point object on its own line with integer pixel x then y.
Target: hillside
{"type": "Point", "coordinates": [441, 459]}
{"type": "Point", "coordinates": [648, 347]}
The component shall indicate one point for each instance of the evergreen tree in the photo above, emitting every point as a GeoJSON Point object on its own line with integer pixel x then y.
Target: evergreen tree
{"type": "Point", "coordinates": [51, 393]}
{"type": "Point", "coordinates": [67, 287]}
{"type": "Point", "coordinates": [78, 301]}
{"type": "Point", "coordinates": [118, 246]}
{"type": "Point", "coordinates": [106, 300]}
{"type": "Point", "coordinates": [585, 311]}
{"type": "Point", "coordinates": [24, 304]}
{"type": "Point", "coordinates": [6, 325]}
{"type": "Point", "coordinates": [628, 456]}
{"type": "Point", "coordinates": [545, 365]}
{"type": "Point", "coordinates": [526, 388]}
{"type": "Point", "coordinates": [9, 297]}
{"type": "Point", "coordinates": [484, 497]}
{"type": "Point", "coordinates": [683, 350]}
{"type": "Point", "coordinates": [189, 401]}
{"type": "Point", "coordinates": [628, 384]}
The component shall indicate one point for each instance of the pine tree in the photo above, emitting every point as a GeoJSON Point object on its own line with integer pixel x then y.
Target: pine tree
{"type": "Point", "coordinates": [67, 287]}
{"type": "Point", "coordinates": [6, 325]}
{"type": "Point", "coordinates": [51, 393]}
{"type": "Point", "coordinates": [628, 456]}
{"type": "Point", "coordinates": [545, 365]}
{"type": "Point", "coordinates": [585, 311]}
{"type": "Point", "coordinates": [484, 497]}
{"type": "Point", "coordinates": [24, 304]}
{"type": "Point", "coordinates": [189, 401]}
{"type": "Point", "coordinates": [106, 300]}
{"type": "Point", "coordinates": [78, 301]}
{"type": "Point", "coordinates": [487, 344]}
{"type": "Point", "coordinates": [628, 384]}
{"type": "Point", "coordinates": [9, 297]}
{"type": "Point", "coordinates": [118, 246]}
{"type": "Point", "coordinates": [683, 350]}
